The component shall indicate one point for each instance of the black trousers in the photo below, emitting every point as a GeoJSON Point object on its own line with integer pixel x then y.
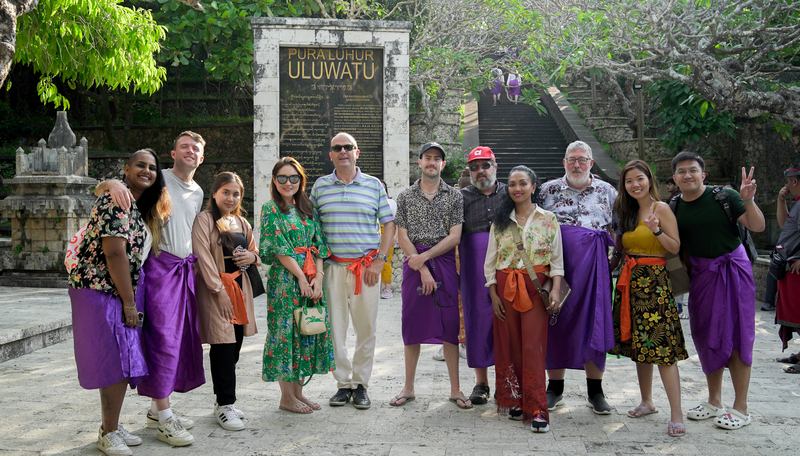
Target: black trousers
{"type": "Point", "coordinates": [223, 359]}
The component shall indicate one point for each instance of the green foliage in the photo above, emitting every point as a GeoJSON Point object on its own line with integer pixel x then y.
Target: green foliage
{"type": "Point", "coordinates": [45, 249]}
{"type": "Point", "coordinates": [92, 43]}
{"type": "Point", "coordinates": [687, 116]}
{"type": "Point", "coordinates": [17, 249]}
{"type": "Point", "coordinates": [455, 162]}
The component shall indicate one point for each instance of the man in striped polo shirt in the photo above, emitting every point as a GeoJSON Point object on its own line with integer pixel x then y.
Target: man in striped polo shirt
{"type": "Point", "coordinates": [350, 206]}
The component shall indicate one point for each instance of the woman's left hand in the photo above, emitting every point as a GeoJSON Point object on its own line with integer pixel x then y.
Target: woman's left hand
{"type": "Point", "coordinates": [652, 221]}
{"type": "Point", "coordinates": [316, 287]}
{"type": "Point", "coordinates": [244, 258]}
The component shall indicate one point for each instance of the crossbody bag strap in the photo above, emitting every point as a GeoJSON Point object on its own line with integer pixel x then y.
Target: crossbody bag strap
{"type": "Point", "coordinates": [527, 261]}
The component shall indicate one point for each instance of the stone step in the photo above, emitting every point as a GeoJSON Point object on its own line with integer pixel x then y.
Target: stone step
{"type": "Point", "coordinates": [33, 318]}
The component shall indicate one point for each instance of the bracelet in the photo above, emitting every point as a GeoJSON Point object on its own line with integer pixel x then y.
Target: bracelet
{"type": "Point", "coordinates": [320, 273]}
{"type": "Point", "coordinates": [659, 232]}
{"type": "Point", "coordinates": [129, 307]}
{"type": "Point", "coordinates": [748, 201]}
{"type": "Point", "coordinates": [616, 254]}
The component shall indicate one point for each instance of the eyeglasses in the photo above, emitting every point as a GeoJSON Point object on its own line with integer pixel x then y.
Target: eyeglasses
{"type": "Point", "coordinates": [581, 160]}
{"type": "Point", "coordinates": [475, 166]}
{"type": "Point", "coordinates": [294, 178]}
{"type": "Point", "coordinates": [338, 147]}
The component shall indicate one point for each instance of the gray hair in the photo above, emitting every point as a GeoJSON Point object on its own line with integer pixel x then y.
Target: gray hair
{"type": "Point", "coordinates": [579, 145]}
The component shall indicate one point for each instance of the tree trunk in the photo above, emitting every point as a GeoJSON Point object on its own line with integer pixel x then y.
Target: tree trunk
{"type": "Point", "coordinates": [127, 109]}
{"type": "Point", "coordinates": [104, 100]}
{"type": "Point", "coordinates": [10, 10]}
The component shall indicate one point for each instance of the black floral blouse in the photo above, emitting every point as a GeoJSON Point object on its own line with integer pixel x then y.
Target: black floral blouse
{"type": "Point", "coordinates": [108, 220]}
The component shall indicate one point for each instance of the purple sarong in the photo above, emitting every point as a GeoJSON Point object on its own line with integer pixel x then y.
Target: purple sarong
{"type": "Point", "coordinates": [513, 87]}
{"type": "Point", "coordinates": [423, 321]}
{"type": "Point", "coordinates": [722, 309]}
{"type": "Point", "coordinates": [172, 346]}
{"type": "Point", "coordinates": [475, 300]}
{"type": "Point", "coordinates": [585, 328]}
{"type": "Point", "coordinates": [497, 86]}
{"type": "Point", "coordinates": [106, 351]}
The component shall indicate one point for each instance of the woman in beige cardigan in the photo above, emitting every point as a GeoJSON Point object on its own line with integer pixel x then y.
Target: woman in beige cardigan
{"type": "Point", "coordinates": [216, 234]}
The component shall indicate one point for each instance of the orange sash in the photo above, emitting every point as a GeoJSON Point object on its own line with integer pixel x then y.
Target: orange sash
{"type": "Point", "coordinates": [309, 266]}
{"type": "Point", "coordinates": [236, 296]}
{"type": "Point", "coordinates": [357, 266]}
{"type": "Point", "coordinates": [515, 290]}
{"type": "Point", "coordinates": [624, 287]}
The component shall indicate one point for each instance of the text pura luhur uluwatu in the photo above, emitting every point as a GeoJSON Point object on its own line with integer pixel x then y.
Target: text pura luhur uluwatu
{"type": "Point", "coordinates": [322, 63]}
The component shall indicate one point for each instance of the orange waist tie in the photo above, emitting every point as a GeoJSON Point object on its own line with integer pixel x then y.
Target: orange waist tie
{"type": "Point", "coordinates": [624, 287]}
{"type": "Point", "coordinates": [237, 297]}
{"type": "Point", "coordinates": [357, 266]}
{"type": "Point", "coordinates": [515, 290]}
{"type": "Point", "coordinates": [309, 266]}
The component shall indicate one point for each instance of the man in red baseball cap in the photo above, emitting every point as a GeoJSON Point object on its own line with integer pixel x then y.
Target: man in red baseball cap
{"type": "Point", "coordinates": [481, 200]}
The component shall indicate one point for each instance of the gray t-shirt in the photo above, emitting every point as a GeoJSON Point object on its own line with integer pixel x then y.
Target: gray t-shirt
{"type": "Point", "coordinates": [187, 201]}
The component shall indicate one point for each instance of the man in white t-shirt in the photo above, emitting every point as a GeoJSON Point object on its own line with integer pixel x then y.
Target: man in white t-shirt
{"type": "Point", "coordinates": [172, 346]}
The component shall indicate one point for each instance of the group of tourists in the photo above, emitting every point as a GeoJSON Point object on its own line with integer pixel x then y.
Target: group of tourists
{"type": "Point", "coordinates": [158, 276]}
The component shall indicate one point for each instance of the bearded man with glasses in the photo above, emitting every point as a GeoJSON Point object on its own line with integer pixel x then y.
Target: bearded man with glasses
{"type": "Point", "coordinates": [350, 206]}
{"type": "Point", "coordinates": [583, 331]}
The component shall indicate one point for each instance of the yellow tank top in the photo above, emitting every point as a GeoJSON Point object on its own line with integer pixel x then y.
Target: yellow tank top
{"type": "Point", "coordinates": [641, 240]}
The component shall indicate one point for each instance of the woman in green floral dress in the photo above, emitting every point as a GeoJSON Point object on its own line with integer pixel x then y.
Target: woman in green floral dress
{"type": "Point", "coordinates": [293, 244]}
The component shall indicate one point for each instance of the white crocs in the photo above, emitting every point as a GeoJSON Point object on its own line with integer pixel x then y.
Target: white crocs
{"type": "Point", "coordinates": [733, 420]}
{"type": "Point", "coordinates": [704, 411]}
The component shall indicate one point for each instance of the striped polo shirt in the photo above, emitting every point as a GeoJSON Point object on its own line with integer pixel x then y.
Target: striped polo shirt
{"type": "Point", "coordinates": [350, 214]}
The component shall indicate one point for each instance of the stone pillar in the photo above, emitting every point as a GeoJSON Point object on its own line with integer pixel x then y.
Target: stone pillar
{"type": "Point", "coordinates": [272, 33]}
{"type": "Point", "coordinates": [51, 200]}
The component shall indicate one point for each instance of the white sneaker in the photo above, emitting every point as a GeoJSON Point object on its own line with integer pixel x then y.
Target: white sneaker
{"type": "Point", "coordinates": [112, 443]}
{"type": "Point", "coordinates": [227, 417]}
{"type": "Point", "coordinates": [173, 433]}
{"type": "Point", "coordinates": [130, 439]}
{"type": "Point", "coordinates": [462, 351]}
{"type": "Point", "coordinates": [239, 413]}
{"type": "Point", "coordinates": [152, 420]}
{"type": "Point", "coordinates": [439, 355]}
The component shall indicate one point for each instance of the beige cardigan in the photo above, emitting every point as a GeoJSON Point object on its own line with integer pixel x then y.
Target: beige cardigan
{"type": "Point", "coordinates": [214, 328]}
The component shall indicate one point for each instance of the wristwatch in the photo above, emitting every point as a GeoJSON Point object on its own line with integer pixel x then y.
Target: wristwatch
{"type": "Point", "coordinates": [382, 257]}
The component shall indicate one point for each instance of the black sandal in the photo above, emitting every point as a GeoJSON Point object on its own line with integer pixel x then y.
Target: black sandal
{"type": "Point", "coordinates": [792, 359]}
{"type": "Point", "coordinates": [793, 369]}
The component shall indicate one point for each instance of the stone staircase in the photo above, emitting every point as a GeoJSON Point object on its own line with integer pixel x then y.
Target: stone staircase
{"type": "Point", "coordinates": [518, 135]}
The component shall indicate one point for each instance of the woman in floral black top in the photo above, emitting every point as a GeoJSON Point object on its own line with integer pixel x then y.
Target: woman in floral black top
{"type": "Point", "coordinates": [108, 351]}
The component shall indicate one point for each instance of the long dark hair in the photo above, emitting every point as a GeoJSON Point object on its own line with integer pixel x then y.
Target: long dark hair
{"type": "Point", "coordinates": [154, 203]}
{"type": "Point", "coordinates": [626, 207]}
{"type": "Point", "coordinates": [301, 200]}
{"type": "Point", "coordinates": [222, 179]}
{"type": "Point", "coordinates": [502, 216]}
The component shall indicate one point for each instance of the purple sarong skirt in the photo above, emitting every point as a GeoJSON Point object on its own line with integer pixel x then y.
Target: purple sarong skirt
{"type": "Point", "coordinates": [584, 330]}
{"type": "Point", "coordinates": [722, 309]}
{"type": "Point", "coordinates": [497, 86]}
{"type": "Point", "coordinates": [475, 300]}
{"type": "Point", "coordinates": [423, 320]}
{"type": "Point", "coordinates": [513, 87]}
{"type": "Point", "coordinates": [106, 351]}
{"type": "Point", "coordinates": [172, 346]}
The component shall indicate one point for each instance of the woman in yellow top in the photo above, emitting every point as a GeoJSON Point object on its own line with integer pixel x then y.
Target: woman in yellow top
{"type": "Point", "coordinates": [647, 327]}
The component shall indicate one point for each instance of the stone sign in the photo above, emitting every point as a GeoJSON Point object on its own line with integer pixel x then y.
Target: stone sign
{"type": "Point", "coordinates": [327, 90]}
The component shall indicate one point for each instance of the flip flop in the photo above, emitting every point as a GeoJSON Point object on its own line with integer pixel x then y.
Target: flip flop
{"type": "Point", "coordinates": [405, 399]}
{"type": "Point", "coordinates": [793, 369]}
{"type": "Point", "coordinates": [461, 403]}
{"type": "Point", "coordinates": [298, 407]}
{"type": "Point", "coordinates": [791, 359]}
{"type": "Point", "coordinates": [641, 411]}
{"type": "Point", "coordinates": [676, 429]}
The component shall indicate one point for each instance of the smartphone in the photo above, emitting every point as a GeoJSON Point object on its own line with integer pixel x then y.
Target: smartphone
{"type": "Point", "coordinates": [141, 319]}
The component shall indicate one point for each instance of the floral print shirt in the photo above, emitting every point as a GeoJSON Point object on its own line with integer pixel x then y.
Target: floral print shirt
{"type": "Point", "coordinates": [541, 238]}
{"type": "Point", "coordinates": [590, 208]}
{"type": "Point", "coordinates": [429, 221]}
{"type": "Point", "coordinates": [108, 220]}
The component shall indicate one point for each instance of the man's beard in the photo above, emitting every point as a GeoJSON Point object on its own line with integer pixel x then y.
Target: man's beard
{"type": "Point", "coordinates": [579, 183]}
{"type": "Point", "coordinates": [486, 185]}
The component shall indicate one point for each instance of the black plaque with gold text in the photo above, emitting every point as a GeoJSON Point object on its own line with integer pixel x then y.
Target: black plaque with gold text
{"type": "Point", "coordinates": [324, 91]}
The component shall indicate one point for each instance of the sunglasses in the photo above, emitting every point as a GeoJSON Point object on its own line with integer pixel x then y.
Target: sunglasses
{"type": "Point", "coordinates": [294, 178]}
{"type": "Point", "coordinates": [474, 167]}
{"type": "Point", "coordinates": [338, 147]}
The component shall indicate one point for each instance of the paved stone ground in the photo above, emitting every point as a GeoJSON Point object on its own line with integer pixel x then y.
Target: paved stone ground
{"type": "Point", "coordinates": [46, 412]}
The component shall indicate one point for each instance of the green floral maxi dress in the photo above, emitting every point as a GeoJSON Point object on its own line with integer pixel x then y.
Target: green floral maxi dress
{"type": "Point", "coordinates": [288, 355]}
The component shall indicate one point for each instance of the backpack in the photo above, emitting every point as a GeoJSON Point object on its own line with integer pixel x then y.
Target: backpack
{"type": "Point", "coordinates": [721, 196]}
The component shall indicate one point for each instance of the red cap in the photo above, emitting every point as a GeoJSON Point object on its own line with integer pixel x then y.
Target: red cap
{"type": "Point", "coordinates": [481, 153]}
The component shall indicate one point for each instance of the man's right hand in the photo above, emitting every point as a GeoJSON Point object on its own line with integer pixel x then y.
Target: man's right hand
{"type": "Point", "coordinates": [120, 194]}
{"type": "Point", "coordinates": [428, 284]}
{"type": "Point", "coordinates": [784, 194]}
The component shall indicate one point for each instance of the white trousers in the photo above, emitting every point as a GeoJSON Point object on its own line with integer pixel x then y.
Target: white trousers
{"type": "Point", "coordinates": [343, 305]}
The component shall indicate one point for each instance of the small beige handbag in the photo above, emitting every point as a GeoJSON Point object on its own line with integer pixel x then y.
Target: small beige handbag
{"type": "Point", "coordinates": [310, 320]}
